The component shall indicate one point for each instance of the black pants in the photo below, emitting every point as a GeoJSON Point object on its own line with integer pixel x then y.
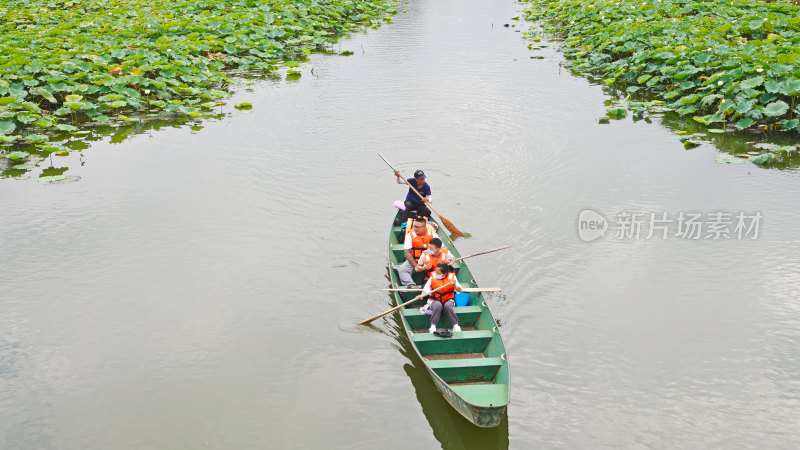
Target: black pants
{"type": "Point", "coordinates": [419, 207]}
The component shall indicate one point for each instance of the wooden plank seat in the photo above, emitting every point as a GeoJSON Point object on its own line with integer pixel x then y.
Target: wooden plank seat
{"type": "Point", "coordinates": [460, 342]}
{"type": "Point", "coordinates": [426, 328]}
{"type": "Point", "coordinates": [467, 315]}
{"type": "Point", "coordinates": [442, 356]}
{"type": "Point", "coordinates": [472, 370]}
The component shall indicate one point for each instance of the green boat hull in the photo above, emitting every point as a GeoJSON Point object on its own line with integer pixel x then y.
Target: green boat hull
{"type": "Point", "coordinates": [470, 368]}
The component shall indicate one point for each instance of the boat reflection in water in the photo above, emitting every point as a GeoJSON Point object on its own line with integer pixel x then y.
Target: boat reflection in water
{"type": "Point", "coordinates": [449, 427]}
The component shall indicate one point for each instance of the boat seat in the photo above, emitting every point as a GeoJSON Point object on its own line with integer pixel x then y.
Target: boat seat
{"type": "Point", "coordinates": [460, 342]}
{"type": "Point", "coordinates": [485, 395]}
{"type": "Point", "coordinates": [467, 315]}
{"type": "Point", "coordinates": [456, 268]}
{"type": "Point", "coordinates": [400, 247]}
{"type": "Point", "coordinates": [399, 232]}
{"type": "Point", "coordinates": [467, 370]}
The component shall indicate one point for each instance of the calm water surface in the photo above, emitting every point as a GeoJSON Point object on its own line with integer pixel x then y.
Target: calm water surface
{"type": "Point", "coordinates": [197, 289]}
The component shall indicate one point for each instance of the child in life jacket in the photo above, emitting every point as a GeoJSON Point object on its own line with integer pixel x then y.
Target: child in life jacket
{"type": "Point", "coordinates": [444, 299]}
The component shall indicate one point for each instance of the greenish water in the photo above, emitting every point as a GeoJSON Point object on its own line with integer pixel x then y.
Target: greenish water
{"type": "Point", "coordinates": [198, 288]}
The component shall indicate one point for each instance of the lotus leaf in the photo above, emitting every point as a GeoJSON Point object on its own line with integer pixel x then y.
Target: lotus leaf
{"type": "Point", "coordinates": [772, 85]}
{"type": "Point", "coordinates": [751, 82]}
{"type": "Point", "coordinates": [7, 126]}
{"type": "Point", "coordinates": [17, 155]}
{"type": "Point", "coordinates": [744, 123]}
{"type": "Point", "coordinates": [727, 158]}
{"type": "Point", "coordinates": [763, 158]}
{"type": "Point", "coordinates": [51, 178]}
{"type": "Point", "coordinates": [776, 109]}
{"type": "Point", "coordinates": [790, 124]}
{"type": "Point", "coordinates": [790, 87]}
{"type": "Point", "coordinates": [690, 143]}
{"type": "Point", "coordinates": [36, 138]}
{"type": "Point", "coordinates": [616, 113]}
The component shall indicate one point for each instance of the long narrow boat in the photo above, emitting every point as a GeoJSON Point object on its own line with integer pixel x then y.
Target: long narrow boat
{"type": "Point", "coordinates": [470, 368]}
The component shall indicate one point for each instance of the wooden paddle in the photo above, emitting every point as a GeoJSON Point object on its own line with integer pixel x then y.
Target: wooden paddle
{"type": "Point", "coordinates": [447, 224]}
{"type": "Point", "coordinates": [363, 322]}
{"type": "Point", "coordinates": [492, 289]}
{"type": "Point", "coordinates": [482, 253]}
{"type": "Point", "coordinates": [465, 289]}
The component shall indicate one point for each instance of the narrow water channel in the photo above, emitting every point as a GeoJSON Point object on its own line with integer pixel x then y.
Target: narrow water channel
{"type": "Point", "coordinates": [198, 288]}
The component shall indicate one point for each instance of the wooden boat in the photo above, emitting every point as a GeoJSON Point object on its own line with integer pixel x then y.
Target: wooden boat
{"type": "Point", "coordinates": [470, 368]}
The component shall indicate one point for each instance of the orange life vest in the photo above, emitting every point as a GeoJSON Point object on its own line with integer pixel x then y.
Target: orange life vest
{"type": "Point", "coordinates": [434, 260]}
{"type": "Point", "coordinates": [419, 243]}
{"type": "Point", "coordinates": [447, 293]}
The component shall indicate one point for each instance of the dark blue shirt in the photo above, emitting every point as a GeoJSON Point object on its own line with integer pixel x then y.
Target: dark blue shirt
{"type": "Point", "coordinates": [425, 191]}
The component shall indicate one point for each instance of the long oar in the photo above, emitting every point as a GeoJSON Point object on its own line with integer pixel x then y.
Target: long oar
{"type": "Point", "coordinates": [492, 289]}
{"type": "Point", "coordinates": [482, 253]}
{"type": "Point", "coordinates": [404, 304]}
{"type": "Point", "coordinates": [447, 224]}
{"type": "Point", "coordinates": [465, 289]}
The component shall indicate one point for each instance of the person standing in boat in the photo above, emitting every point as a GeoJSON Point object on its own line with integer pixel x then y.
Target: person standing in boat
{"type": "Point", "coordinates": [443, 300]}
{"type": "Point", "coordinates": [416, 242]}
{"type": "Point", "coordinates": [431, 258]}
{"type": "Point", "coordinates": [413, 202]}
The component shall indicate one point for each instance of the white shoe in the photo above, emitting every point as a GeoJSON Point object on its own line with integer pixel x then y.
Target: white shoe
{"type": "Point", "coordinates": [433, 329]}
{"type": "Point", "coordinates": [456, 328]}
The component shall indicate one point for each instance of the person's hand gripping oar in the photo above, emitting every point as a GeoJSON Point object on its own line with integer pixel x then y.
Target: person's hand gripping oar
{"type": "Point", "coordinates": [447, 224]}
{"type": "Point", "coordinates": [364, 322]}
{"type": "Point", "coordinates": [492, 289]}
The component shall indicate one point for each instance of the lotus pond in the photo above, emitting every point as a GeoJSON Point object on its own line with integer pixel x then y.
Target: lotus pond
{"type": "Point", "coordinates": [69, 66]}
{"type": "Point", "coordinates": [722, 67]}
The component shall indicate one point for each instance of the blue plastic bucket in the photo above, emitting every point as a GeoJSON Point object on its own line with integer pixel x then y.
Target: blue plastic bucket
{"type": "Point", "coordinates": [462, 298]}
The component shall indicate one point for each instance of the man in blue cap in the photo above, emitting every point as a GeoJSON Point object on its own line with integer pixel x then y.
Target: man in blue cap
{"type": "Point", "coordinates": [413, 202]}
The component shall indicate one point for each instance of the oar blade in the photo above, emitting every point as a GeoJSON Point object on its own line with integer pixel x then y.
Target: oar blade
{"type": "Point", "coordinates": [450, 227]}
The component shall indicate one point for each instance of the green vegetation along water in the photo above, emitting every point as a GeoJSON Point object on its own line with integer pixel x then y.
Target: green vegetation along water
{"type": "Point", "coordinates": [151, 306]}
{"type": "Point", "coordinates": [728, 66]}
{"type": "Point", "coordinates": [69, 65]}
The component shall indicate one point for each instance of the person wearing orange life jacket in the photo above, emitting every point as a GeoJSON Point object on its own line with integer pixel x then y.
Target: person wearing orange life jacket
{"type": "Point", "coordinates": [444, 299]}
{"type": "Point", "coordinates": [432, 257]}
{"type": "Point", "coordinates": [410, 222]}
{"type": "Point", "coordinates": [416, 242]}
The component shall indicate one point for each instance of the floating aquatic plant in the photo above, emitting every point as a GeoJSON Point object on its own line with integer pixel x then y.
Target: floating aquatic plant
{"type": "Point", "coordinates": [730, 65]}
{"type": "Point", "coordinates": [71, 64]}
